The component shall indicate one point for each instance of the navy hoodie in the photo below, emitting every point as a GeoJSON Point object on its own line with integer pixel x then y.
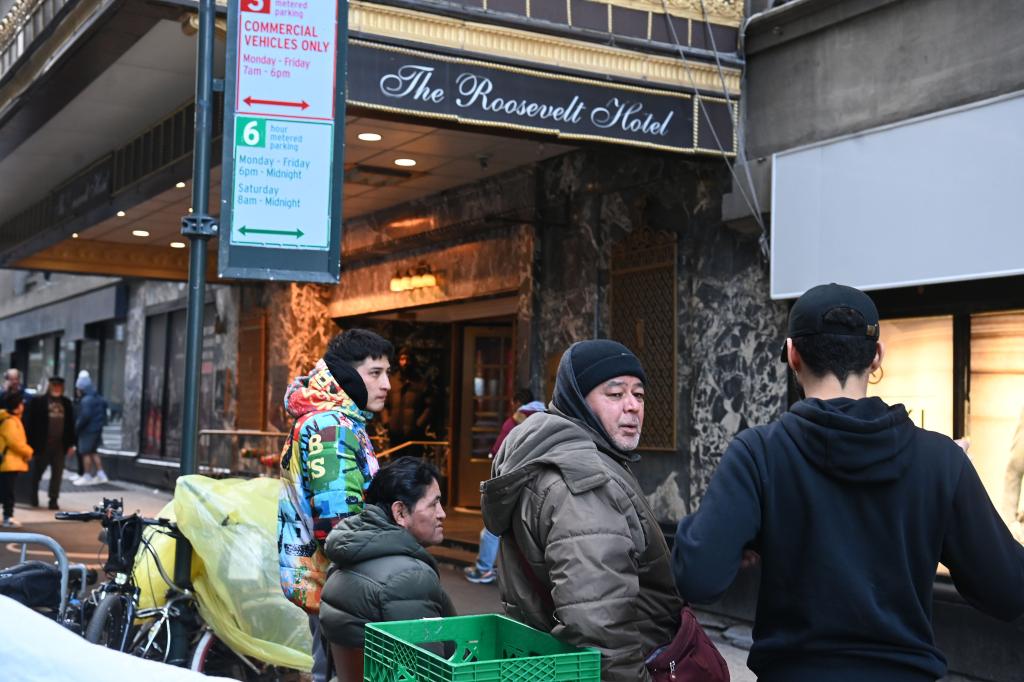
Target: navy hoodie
{"type": "Point", "coordinates": [851, 508]}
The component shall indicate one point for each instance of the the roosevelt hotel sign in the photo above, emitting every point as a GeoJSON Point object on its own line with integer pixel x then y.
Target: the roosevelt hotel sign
{"type": "Point", "coordinates": [573, 108]}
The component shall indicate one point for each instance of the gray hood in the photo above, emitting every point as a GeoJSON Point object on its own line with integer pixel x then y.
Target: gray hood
{"type": "Point", "coordinates": [568, 436]}
{"type": "Point", "coordinates": [549, 439]}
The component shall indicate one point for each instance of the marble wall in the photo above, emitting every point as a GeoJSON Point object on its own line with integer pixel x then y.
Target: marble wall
{"type": "Point", "coordinates": [727, 374]}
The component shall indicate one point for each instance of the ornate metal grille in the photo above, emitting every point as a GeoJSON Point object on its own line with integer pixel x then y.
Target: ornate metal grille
{"type": "Point", "coordinates": [643, 316]}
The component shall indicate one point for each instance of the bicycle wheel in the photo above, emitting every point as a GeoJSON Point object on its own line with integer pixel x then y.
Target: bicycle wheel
{"type": "Point", "coordinates": [110, 622]}
{"type": "Point", "coordinates": [213, 657]}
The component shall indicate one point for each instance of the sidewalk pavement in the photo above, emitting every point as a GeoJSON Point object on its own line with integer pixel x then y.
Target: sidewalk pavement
{"type": "Point", "coordinates": [147, 501]}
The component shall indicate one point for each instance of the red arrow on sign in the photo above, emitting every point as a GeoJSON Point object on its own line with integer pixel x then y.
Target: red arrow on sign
{"type": "Point", "coordinates": [273, 102]}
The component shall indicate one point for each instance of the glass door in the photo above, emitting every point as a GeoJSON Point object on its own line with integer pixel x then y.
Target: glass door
{"type": "Point", "coordinates": [487, 387]}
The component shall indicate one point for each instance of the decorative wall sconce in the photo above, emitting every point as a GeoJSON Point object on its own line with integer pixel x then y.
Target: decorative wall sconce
{"type": "Point", "coordinates": [420, 278]}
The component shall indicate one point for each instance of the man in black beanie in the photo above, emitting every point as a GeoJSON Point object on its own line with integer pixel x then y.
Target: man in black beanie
{"type": "Point", "coordinates": [582, 556]}
{"type": "Point", "coordinates": [327, 463]}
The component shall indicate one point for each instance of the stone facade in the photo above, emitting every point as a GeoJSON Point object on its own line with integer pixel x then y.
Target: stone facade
{"type": "Point", "coordinates": [554, 255]}
{"type": "Point", "coordinates": [728, 377]}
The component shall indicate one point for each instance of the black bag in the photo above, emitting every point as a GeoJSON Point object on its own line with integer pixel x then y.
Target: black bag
{"type": "Point", "coordinates": [35, 584]}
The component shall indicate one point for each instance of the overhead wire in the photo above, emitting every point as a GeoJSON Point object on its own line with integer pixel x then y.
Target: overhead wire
{"type": "Point", "coordinates": [749, 199]}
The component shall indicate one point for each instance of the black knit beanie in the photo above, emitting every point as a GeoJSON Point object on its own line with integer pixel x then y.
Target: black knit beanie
{"type": "Point", "coordinates": [350, 381]}
{"type": "Point", "coordinates": [595, 362]}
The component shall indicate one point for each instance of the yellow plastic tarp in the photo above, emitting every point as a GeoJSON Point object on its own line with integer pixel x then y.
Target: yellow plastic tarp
{"type": "Point", "coordinates": [232, 525]}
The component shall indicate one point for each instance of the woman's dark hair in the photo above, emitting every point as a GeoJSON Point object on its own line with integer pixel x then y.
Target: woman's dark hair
{"type": "Point", "coordinates": [522, 396]}
{"type": "Point", "coordinates": [837, 354]}
{"type": "Point", "coordinates": [355, 345]}
{"type": "Point", "coordinates": [404, 480]}
{"type": "Point", "coordinates": [12, 400]}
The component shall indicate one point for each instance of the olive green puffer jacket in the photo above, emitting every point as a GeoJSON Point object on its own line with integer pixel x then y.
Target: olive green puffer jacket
{"type": "Point", "coordinates": [378, 573]}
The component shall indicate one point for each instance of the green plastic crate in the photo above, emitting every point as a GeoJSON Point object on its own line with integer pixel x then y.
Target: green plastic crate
{"type": "Point", "coordinates": [488, 648]}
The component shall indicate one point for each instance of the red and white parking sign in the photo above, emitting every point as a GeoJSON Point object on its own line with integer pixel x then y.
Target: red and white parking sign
{"type": "Point", "coordinates": [287, 58]}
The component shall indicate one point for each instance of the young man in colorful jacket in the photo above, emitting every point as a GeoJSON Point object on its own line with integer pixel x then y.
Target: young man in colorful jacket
{"type": "Point", "coordinates": [328, 461]}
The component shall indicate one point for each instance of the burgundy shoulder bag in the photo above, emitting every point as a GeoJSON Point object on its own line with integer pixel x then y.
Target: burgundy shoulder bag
{"type": "Point", "coordinates": [690, 657]}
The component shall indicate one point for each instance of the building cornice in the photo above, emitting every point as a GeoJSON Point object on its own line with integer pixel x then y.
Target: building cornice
{"type": "Point", "coordinates": [501, 42]}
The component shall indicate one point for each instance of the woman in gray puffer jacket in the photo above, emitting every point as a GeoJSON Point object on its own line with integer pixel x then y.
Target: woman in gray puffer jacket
{"type": "Point", "coordinates": [380, 570]}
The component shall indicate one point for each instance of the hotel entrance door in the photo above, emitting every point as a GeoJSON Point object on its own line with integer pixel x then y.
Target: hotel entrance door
{"type": "Point", "coordinates": [487, 387]}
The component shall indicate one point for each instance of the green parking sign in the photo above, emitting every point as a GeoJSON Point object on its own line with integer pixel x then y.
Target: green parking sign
{"type": "Point", "coordinates": [250, 132]}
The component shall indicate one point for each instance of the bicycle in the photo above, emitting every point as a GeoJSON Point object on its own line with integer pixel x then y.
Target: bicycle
{"type": "Point", "coordinates": [112, 609]}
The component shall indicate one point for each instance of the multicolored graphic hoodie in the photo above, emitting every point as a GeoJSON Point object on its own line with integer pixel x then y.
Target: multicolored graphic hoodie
{"type": "Point", "coordinates": [326, 467]}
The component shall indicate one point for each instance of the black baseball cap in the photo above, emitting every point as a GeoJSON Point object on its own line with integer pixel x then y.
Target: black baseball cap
{"type": "Point", "coordinates": [807, 317]}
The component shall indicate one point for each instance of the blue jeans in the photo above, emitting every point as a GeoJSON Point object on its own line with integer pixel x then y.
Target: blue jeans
{"type": "Point", "coordinates": [488, 551]}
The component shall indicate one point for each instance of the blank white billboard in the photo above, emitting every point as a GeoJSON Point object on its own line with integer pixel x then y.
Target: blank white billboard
{"type": "Point", "coordinates": [933, 199]}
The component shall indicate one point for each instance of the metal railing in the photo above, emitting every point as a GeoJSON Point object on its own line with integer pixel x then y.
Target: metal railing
{"type": "Point", "coordinates": [25, 21]}
{"type": "Point", "coordinates": [237, 458]}
{"type": "Point", "coordinates": [435, 451]}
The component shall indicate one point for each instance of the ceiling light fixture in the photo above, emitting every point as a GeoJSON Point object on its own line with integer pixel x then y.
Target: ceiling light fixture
{"type": "Point", "coordinates": [74, 235]}
{"type": "Point", "coordinates": [180, 184]}
{"type": "Point", "coordinates": [120, 214]}
{"type": "Point", "coordinates": [369, 137]}
{"type": "Point", "coordinates": [140, 233]}
{"type": "Point", "coordinates": [405, 162]}
{"type": "Point", "coordinates": [177, 245]}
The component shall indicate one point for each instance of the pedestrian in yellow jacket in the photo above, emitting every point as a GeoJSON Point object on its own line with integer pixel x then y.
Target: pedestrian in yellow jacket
{"type": "Point", "coordinates": [15, 450]}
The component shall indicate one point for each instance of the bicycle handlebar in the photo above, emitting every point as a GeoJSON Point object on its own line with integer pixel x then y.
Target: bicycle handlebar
{"type": "Point", "coordinates": [112, 512]}
{"type": "Point", "coordinates": [79, 516]}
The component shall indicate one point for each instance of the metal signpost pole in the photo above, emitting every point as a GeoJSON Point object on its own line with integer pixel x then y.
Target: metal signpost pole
{"type": "Point", "coordinates": [199, 227]}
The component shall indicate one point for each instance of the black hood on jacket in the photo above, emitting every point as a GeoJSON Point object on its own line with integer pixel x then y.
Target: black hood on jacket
{"type": "Point", "coordinates": [853, 440]}
{"type": "Point", "coordinates": [569, 402]}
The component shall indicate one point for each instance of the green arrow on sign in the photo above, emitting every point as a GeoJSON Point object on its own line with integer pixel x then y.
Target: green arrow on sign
{"type": "Point", "coordinates": [249, 230]}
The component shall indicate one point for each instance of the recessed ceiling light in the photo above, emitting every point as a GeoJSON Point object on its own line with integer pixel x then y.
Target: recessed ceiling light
{"type": "Point", "coordinates": [74, 235]}
{"type": "Point", "coordinates": [177, 245]}
{"type": "Point", "coordinates": [405, 162]}
{"type": "Point", "coordinates": [120, 214]}
{"type": "Point", "coordinates": [369, 137]}
{"type": "Point", "coordinates": [140, 233]}
{"type": "Point", "coordinates": [180, 185]}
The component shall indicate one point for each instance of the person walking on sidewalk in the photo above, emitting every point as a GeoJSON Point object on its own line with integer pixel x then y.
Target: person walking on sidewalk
{"type": "Point", "coordinates": [327, 463]}
{"type": "Point", "coordinates": [851, 507]}
{"type": "Point", "coordinates": [50, 423]}
{"type": "Point", "coordinates": [12, 383]}
{"type": "Point", "coordinates": [92, 417]}
{"type": "Point", "coordinates": [381, 569]}
{"type": "Point", "coordinates": [582, 556]}
{"type": "Point", "coordinates": [15, 452]}
{"type": "Point", "coordinates": [482, 573]}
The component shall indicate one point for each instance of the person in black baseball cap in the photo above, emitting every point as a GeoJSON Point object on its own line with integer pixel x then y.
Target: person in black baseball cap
{"type": "Point", "coordinates": [833, 309]}
{"type": "Point", "coordinates": [851, 507]}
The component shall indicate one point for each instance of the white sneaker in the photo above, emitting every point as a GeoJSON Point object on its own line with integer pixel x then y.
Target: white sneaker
{"type": "Point", "coordinates": [72, 476]}
{"type": "Point", "coordinates": [11, 522]}
{"type": "Point", "coordinates": [100, 477]}
{"type": "Point", "coordinates": [83, 480]}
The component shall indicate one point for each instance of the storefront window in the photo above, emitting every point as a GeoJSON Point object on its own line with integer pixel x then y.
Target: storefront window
{"type": "Point", "coordinates": [112, 382]}
{"type": "Point", "coordinates": [995, 410]}
{"type": "Point", "coordinates": [42, 355]}
{"type": "Point", "coordinates": [153, 385]}
{"type": "Point", "coordinates": [164, 388]}
{"type": "Point", "coordinates": [917, 370]}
